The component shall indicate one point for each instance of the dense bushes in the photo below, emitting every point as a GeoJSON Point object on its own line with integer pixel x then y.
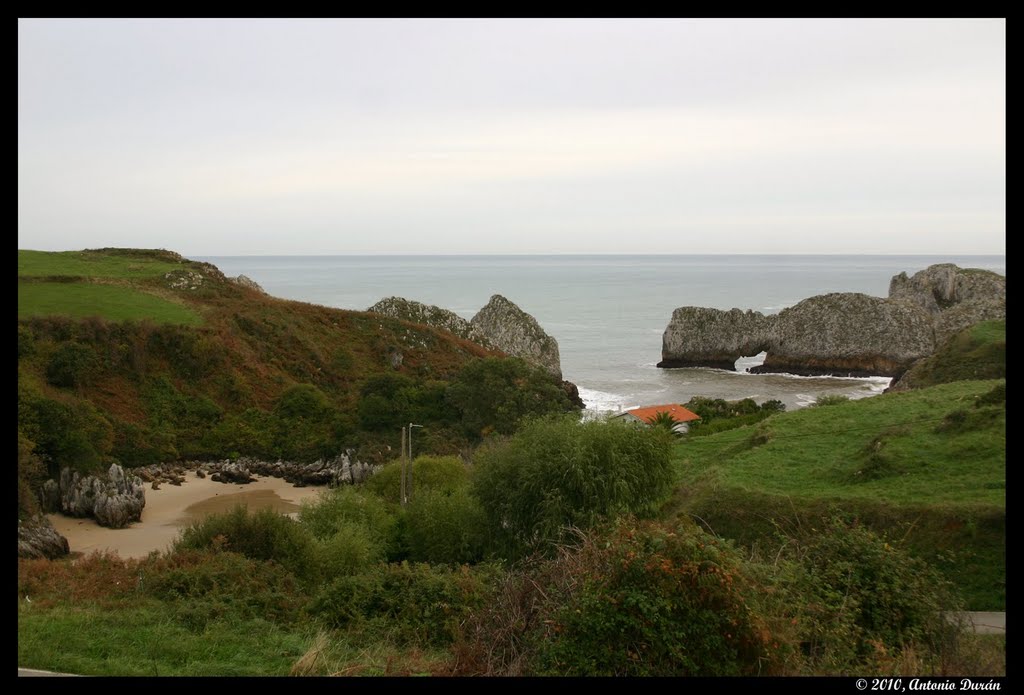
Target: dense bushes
{"type": "Point", "coordinates": [649, 601]}
{"type": "Point", "coordinates": [559, 472]}
{"type": "Point", "coordinates": [263, 535]}
{"type": "Point", "coordinates": [31, 472]}
{"type": "Point", "coordinates": [71, 364]}
{"type": "Point", "coordinates": [495, 395]}
{"type": "Point", "coordinates": [440, 473]}
{"type": "Point", "coordinates": [639, 598]}
{"type": "Point", "coordinates": [413, 602]}
{"type": "Point", "coordinates": [857, 597]}
{"type": "Point", "coordinates": [634, 599]}
{"type": "Point", "coordinates": [446, 526]}
{"type": "Point", "coordinates": [207, 585]}
{"type": "Point", "coordinates": [345, 508]}
{"type": "Point", "coordinates": [718, 415]}
{"type": "Point", "coordinates": [66, 434]}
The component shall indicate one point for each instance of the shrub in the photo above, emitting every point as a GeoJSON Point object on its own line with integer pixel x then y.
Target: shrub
{"type": "Point", "coordinates": [996, 396]}
{"type": "Point", "coordinates": [263, 535]}
{"type": "Point", "coordinates": [416, 603]}
{"type": "Point", "coordinates": [31, 474]}
{"type": "Point", "coordinates": [557, 472]}
{"type": "Point", "coordinates": [446, 526]}
{"type": "Point", "coordinates": [830, 399]}
{"type": "Point", "coordinates": [26, 342]}
{"type": "Point", "coordinates": [856, 597]}
{"type": "Point", "coordinates": [96, 578]}
{"type": "Point", "coordinates": [637, 599]}
{"type": "Point", "coordinates": [352, 549]}
{"type": "Point", "coordinates": [656, 602]}
{"type": "Point", "coordinates": [71, 365]}
{"type": "Point", "coordinates": [302, 401]}
{"type": "Point", "coordinates": [335, 509]}
{"type": "Point", "coordinates": [208, 585]}
{"type": "Point", "coordinates": [73, 435]}
{"type": "Point", "coordinates": [495, 394]}
{"type": "Point", "coordinates": [440, 473]}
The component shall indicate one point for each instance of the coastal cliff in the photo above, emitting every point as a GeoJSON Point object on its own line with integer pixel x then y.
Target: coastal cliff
{"type": "Point", "coordinates": [847, 334]}
{"type": "Point", "coordinates": [702, 337]}
{"type": "Point", "coordinates": [841, 334]}
{"type": "Point", "coordinates": [517, 333]}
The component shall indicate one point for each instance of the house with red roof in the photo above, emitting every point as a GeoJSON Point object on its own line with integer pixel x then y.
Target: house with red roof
{"type": "Point", "coordinates": [681, 415]}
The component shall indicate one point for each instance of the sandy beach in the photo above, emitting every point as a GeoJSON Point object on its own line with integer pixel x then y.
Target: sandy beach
{"type": "Point", "coordinates": [173, 507]}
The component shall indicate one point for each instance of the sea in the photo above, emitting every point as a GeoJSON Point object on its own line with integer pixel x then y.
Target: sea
{"type": "Point", "coordinates": [608, 312]}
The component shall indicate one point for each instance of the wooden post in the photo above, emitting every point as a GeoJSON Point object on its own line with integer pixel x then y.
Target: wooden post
{"type": "Point", "coordinates": [402, 497]}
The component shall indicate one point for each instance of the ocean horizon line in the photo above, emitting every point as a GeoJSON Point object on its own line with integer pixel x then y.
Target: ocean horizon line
{"type": "Point", "coordinates": [596, 255]}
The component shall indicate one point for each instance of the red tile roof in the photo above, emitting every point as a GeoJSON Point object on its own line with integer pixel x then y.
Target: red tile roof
{"type": "Point", "coordinates": [678, 412]}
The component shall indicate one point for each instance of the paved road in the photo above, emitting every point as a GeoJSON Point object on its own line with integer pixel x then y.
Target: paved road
{"type": "Point", "coordinates": [987, 622]}
{"type": "Point", "coordinates": [34, 672]}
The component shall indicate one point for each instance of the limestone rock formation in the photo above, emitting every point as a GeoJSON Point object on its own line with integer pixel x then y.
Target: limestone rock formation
{"type": "Point", "coordinates": [248, 282]}
{"type": "Point", "coordinates": [701, 337]}
{"type": "Point", "coordinates": [341, 470]}
{"type": "Point", "coordinates": [500, 325]}
{"type": "Point", "coordinates": [942, 286]}
{"type": "Point", "coordinates": [966, 314]}
{"type": "Point", "coordinates": [114, 500]}
{"type": "Point", "coordinates": [848, 334]}
{"type": "Point", "coordinates": [427, 314]}
{"type": "Point", "coordinates": [515, 332]}
{"type": "Point", "coordinates": [38, 539]}
{"type": "Point", "coordinates": [843, 334]}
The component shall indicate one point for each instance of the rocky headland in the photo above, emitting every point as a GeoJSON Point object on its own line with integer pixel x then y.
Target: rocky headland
{"type": "Point", "coordinates": [843, 333]}
{"type": "Point", "coordinates": [499, 325]}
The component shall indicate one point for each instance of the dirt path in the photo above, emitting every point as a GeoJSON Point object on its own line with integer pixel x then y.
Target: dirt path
{"type": "Point", "coordinates": [172, 507]}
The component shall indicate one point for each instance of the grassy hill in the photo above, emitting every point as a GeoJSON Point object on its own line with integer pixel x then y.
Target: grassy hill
{"type": "Point", "coordinates": [977, 352]}
{"type": "Point", "coordinates": [927, 466]}
{"type": "Point", "coordinates": [142, 356]}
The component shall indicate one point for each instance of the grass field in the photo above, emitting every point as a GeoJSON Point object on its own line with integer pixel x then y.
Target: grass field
{"type": "Point", "coordinates": [893, 448]}
{"type": "Point", "coordinates": [124, 265]}
{"type": "Point", "coordinates": [141, 641]}
{"type": "Point", "coordinates": [114, 302]}
{"type": "Point", "coordinates": [925, 466]}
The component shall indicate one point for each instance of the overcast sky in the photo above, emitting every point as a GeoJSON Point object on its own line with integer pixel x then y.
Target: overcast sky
{"type": "Point", "coordinates": [229, 137]}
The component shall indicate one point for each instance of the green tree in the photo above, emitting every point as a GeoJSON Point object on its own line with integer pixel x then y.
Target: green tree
{"type": "Point", "coordinates": [495, 394]}
{"type": "Point", "coordinates": [557, 473]}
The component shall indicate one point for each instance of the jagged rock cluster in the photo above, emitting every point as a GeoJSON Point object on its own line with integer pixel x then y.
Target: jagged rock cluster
{"type": "Point", "coordinates": [429, 315]}
{"type": "Point", "coordinates": [114, 500]}
{"type": "Point", "coordinates": [341, 470]}
{"type": "Point", "coordinates": [38, 539]}
{"type": "Point", "coordinates": [500, 325]}
{"type": "Point", "coordinates": [845, 334]}
{"type": "Point", "coordinates": [955, 298]}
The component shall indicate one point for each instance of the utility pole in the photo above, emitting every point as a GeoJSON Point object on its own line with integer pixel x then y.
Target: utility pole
{"type": "Point", "coordinates": [402, 498]}
{"type": "Point", "coordinates": [410, 457]}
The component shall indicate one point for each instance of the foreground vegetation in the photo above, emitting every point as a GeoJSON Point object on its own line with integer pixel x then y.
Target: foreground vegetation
{"type": "Point", "coordinates": [831, 540]}
{"type": "Point", "coordinates": [605, 584]}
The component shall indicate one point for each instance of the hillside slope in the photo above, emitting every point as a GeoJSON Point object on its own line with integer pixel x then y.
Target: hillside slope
{"type": "Point", "coordinates": [927, 466]}
{"type": "Point", "coordinates": [187, 363]}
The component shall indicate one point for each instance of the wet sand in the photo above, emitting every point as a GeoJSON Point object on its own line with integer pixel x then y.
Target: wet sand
{"type": "Point", "coordinates": [173, 507]}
